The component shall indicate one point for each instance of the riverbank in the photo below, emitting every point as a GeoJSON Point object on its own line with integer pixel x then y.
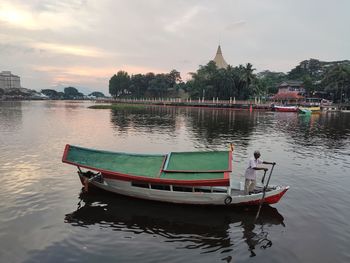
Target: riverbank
{"type": "Point", "coordinates": [231, 104]}
{"type": "Point", "coordinates": [217, 104]}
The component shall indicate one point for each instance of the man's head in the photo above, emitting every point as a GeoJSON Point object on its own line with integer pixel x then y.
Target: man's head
{"type": "Point", "coordinates": [256, 154]}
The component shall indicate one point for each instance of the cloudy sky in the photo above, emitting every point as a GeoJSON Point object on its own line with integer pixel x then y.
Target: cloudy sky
{"type": "Point", "coordinates": [82, 43]}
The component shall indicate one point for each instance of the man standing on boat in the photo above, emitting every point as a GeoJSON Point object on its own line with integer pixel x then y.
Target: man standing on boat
{"type": "Point", "coordinates": [250, 173]}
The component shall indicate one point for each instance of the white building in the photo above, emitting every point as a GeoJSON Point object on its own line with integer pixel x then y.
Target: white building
{"type": "Point", "coordinates": [8, 80]}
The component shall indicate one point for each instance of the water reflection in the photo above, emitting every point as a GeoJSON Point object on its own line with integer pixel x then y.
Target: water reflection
{"type": "Point", "coordinates": [329, 130]}
{"type": "Point", "coordinates": [220, 126]}
{"type": "Point", "coordinates": [145, 120]}
{"type": "Point", "coordinates": [10, 115]}
{"type": "Point", "coordinates": [210, 125]}
{"type": "Point", "coordinates": [206, 228]}
{"type": "Point", "coordinates": [223, 125]}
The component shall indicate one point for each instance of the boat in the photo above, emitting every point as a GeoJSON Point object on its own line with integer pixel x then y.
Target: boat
{"type": "Point", "coordinates": [197, 178]}
{"type": "Point", "coordinates": [304, 111]}
{"type": "Point", "coordinates": [312, 109]}
{"type": "Point", "coordinates": [344, 108]}
{"type": "Point", "coordinates": [330, 108]}
{"type": "Point", "coordinates": [285, 108]}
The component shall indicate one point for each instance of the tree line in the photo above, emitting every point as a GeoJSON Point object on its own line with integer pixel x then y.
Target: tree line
{"type": "Point", "coordinates": [69, 93]}
{"type": "Point", "coordinates": [332, 79]}
{"type": "Point", "coordinates": [145, 85]}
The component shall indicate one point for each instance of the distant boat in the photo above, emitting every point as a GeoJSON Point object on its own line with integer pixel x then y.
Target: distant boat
{"type": "Point", "coordinates": [285, 108]}
{"type": "Point", "coordinates": [312, 109]}
{"type": "Point", "coordinates": [345, 108]}
{"type": "Point", "coordinates": [304, 111]}
{"type": "Point", "coordinates": [197, 178]}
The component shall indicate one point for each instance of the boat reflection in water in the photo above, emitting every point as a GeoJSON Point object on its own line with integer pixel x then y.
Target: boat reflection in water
{"type": "Point", "coordinates": [206, 228]}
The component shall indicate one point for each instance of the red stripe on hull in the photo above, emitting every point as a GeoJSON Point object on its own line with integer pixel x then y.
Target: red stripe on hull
{"type": "Point", "coordinates": [268, 200]}
{"type": "Point", "coordinates": [286, 110]}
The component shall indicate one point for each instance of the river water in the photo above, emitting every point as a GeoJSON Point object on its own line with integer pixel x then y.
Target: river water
{"type": "Point", "coordinates": [44, 217]}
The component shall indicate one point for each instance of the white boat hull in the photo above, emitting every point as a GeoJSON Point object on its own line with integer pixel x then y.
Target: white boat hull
{"type": "Point", "coordinates": [190, 195]}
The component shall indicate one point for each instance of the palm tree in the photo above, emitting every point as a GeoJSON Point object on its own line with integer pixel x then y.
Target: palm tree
{"type": "Point", "coordinates": [247, 78]}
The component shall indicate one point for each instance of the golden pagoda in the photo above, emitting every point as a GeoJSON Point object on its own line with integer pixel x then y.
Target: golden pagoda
{"type": "Point", "coordinates": [219, 59]}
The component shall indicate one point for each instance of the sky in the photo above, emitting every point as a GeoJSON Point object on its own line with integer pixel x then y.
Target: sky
{"type": "Point", "coordinates": [82, 43]}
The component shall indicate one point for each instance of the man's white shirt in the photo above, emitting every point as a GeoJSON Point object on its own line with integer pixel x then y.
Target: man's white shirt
{"type": "Point", "coordinates": [250, 173]}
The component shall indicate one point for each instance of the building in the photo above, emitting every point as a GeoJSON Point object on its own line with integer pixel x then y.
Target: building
{"type": "Point", "coordinates": [290, 92]}
{"type": "Point", "coordinates": [219, 59]}
{"type": "Point", "coordinates": [9, 81]}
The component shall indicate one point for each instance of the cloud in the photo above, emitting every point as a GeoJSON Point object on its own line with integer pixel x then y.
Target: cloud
{"type": "Point", "coordinates": [27, 17]}
{"type": "Point", "coordinates": [70, 49]}
{"type": "Point", "coordinates": [235, 25]}
{"type": "Point", "coordinates": [28, 44]}
{"type": "Point", "coordinates": [17, 16]}
{"type": "Point", "coordinates": [183, 20]}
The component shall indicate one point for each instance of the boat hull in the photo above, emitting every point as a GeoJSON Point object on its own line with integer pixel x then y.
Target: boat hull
{"type": "Point", "coordinates": [314, 109]}
{"type": "Point", "coordinates": [286, 108]}
{"type": "Point", "coordinates": [218, 196]}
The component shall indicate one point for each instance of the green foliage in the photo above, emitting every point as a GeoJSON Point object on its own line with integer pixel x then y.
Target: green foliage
{"type": "Point", "coordinates": [97, 94]}
{"type": "Point", "coordinates": [72, 93]}
{"type": "Point", "coordinates": [148, 85]}
{"type": "Point", "coordinates": [337, 82]}
{"type": "Point", "coordinates": [211, 82]}
{"type": "Point", "coordinates": [234, 82]}
{"type": "Point", "coordinates": [52, 94]}
{"type": "Point", "coordinates": [269, 81]}
{"type": "Point", "coordinates": [119, 84]}
{"type": "Point", "coordinates": [308, 84]}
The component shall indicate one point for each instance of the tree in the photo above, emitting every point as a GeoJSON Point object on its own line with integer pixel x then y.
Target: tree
{"type": "Point", "coordinates": [247, 77]}
{"type": "Point", "coordinates": [174, 77]}
{"type": "Point", "coordinates": [138, 85]}
{"type": "Point", "coordinates": [159, 85]}
{"type": "Point", "coordinates": [52, 94]}
{"type": "Point", "coordinates": [337, 82]}
{"type": "Point", "coordinates": [308, 84]}
{"type": "Point", "coordinates": [119, 84]}
{"type": "Point", "coordinates": [270, 80]}
{"type": "Point", "coordinates": [72, 93]}
{"type": "Point", "coordinates": [212, 82]}
{"type": "Point", "coordinates": [97, 94]}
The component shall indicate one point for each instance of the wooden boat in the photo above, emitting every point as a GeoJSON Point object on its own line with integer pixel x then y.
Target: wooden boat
{"type": "Point", "coordinates": [304, 111]}
{"type": "Point", "coordinates": [199, 178]}
{"type": "Point", "coordinates": [313, 109]}
{"type": "Point", "coordinates": [285, 108]}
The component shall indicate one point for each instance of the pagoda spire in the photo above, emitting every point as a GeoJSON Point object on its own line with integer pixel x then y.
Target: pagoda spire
{"type": "Point", "coordinates": [219, 59]}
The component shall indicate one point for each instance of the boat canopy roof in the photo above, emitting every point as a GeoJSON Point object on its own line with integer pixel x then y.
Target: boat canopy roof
{"type": "Point", "coordinates": [189, 168]}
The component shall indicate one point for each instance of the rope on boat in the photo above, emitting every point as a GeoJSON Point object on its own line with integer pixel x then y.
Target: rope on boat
{"type": "Point", "coordinates": [89, 177]}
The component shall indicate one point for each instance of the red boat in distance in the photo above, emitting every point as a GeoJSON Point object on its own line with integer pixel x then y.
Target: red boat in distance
{"type": "Point", "coordinates": [286, 108]}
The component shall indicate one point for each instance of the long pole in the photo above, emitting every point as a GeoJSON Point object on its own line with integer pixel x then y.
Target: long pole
{"type": "Point", "coordinates": [264, 192]}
